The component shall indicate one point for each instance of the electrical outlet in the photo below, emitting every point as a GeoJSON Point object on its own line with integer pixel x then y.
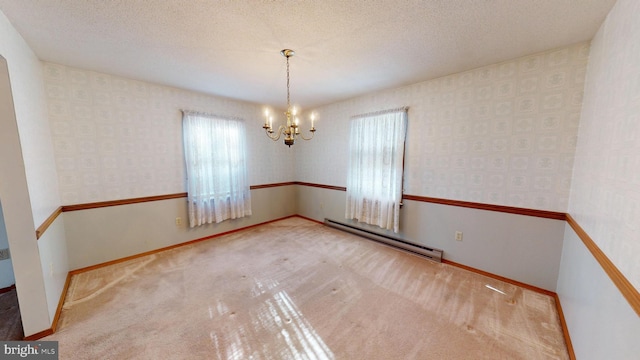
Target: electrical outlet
{"type": "Point", "coordinates": [4, 254]}
{"type": "Point", "coordinates": [50, 269]}
{"type": "Point", "coordinates": [458, 235]}
{"type": "Point", "coordinates": [178, 221]}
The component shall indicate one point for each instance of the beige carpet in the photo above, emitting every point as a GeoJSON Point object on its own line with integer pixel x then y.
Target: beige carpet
{"type": "Point", "coordinates": [10, 321]}
{"type": "Point", "coordinates": [294, 289]}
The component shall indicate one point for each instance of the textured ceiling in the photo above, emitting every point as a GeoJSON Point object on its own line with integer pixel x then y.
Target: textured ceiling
{"type": "Point", "coordinates": [344, 48]}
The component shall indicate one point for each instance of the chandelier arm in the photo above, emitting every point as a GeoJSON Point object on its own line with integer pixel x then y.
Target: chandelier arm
{"type": "Point", "coordinates": [278, 133]}
{"type": "Point", "coordinates": [304, 138]}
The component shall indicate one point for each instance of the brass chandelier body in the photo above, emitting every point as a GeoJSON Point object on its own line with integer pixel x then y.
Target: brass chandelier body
{"type": "Point", "coordinates": [291, 130]}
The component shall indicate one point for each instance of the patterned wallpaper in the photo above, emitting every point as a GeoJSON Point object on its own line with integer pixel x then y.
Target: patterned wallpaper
{"type": "Point", "coordinates": [605, 194]}
{"type": "Point", "coordinates": [501, 134]}
{"type": "Point", "coordinates": [117, 138]}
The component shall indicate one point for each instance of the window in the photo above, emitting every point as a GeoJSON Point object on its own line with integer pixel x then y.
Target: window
{"type": "Point", "coordinates": [376, 157]}
{"type": "Point", "coordinates": [217, 184]}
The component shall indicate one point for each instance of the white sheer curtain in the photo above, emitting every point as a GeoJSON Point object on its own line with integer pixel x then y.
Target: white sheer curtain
{"type": "Point", "coordinates": [374, 179]}
{"type": "Point", "coordinates": [217, 184]}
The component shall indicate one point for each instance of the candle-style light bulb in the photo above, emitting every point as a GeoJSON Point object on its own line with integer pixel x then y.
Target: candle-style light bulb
{"type": "Point", "coordinates": [313, 117]}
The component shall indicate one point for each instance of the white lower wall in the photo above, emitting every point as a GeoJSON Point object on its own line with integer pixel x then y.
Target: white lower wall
{"type": "Point", "coordinates": [55, 264]}
{"type": "Point", "coordinates": [518, 247]}
{"type": "Point", "coordinates": [601, 323]}
{"type": "Point", "coordinates": [98, 235]}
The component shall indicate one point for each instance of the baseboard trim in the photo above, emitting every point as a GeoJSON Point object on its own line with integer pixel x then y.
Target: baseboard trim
{"type": "Point", "coordinates": [7, 289]}
{"type": "Point", "coordinates": [39, 335]}
{"type": "Point", "coordinates": [63, 297]}
{"type": "Point", "coordinates": [310, 219]}
{"type": "Point", "coordinates": [565, 329]}
{"type": "Point", "coordinates": [56, 318]}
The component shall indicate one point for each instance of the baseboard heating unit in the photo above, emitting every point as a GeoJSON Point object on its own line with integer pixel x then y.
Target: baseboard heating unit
{"type": "Point", "coordinates": [430, 253]}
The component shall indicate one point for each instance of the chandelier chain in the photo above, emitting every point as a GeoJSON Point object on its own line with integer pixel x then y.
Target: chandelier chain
{"type": "Point", "coordinates": [288, 96]}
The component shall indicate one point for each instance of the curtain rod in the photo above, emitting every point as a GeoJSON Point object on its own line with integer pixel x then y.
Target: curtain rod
{"type": "Point", "coordinates": [381, 112]}
{"type": "Point", "coordinates": [191, 112]}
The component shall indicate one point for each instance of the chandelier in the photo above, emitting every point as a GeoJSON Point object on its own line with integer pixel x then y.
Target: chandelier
{"type": "Point", "coordinates": [292, 130]}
